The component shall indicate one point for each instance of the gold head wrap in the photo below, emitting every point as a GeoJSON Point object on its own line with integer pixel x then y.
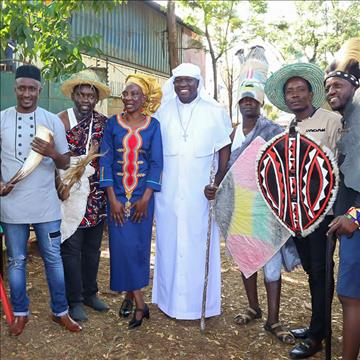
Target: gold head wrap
{"type": "Point", "coordinates": [150, 88]}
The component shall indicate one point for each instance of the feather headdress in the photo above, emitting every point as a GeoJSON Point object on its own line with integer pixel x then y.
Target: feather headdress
{"type": "Point", "coordinates": [346, 63]}
{"type": "Point", "coordinates": [253, 75]}
{"type": "Point", "coordinates": [346, 66]}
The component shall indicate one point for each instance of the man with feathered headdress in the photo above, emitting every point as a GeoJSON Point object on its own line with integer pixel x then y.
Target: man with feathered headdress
{"type": "Point", "coordinates": [252, 81]}
{"type": "Point", "coordinates": [343, 94]}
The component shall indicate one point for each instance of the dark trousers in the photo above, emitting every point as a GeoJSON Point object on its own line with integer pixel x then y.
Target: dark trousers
{"type": "Point", "coordinates": [81, 255]}
{"type": "Point", "coordinates": [312, 252]}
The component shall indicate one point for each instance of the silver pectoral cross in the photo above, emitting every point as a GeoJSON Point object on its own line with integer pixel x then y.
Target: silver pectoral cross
{"type": "Point", "coordinates": [185, 136]}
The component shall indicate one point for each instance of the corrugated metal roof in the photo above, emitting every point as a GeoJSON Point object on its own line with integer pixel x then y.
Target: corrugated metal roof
{"type": "Point", "coordinates": [133, 33]}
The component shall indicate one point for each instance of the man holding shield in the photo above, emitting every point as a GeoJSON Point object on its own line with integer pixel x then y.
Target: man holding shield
{"type": "Point", "coordinates": [298, 89]}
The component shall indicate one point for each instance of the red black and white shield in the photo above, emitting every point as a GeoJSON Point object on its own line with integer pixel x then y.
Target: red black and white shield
{"type": "Point", "coordinates": [298, 180]}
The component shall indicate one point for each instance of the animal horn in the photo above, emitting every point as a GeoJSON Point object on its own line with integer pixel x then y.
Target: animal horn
{"type": "Point", "coordinates": [34, 158]}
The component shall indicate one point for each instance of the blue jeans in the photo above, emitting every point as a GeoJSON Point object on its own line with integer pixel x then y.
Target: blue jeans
{"type": "Point", "coordinates": [49, 238]}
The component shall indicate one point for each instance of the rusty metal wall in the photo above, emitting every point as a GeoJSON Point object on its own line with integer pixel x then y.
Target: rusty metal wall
{"type": "Point", "coordinates": [132, 34]}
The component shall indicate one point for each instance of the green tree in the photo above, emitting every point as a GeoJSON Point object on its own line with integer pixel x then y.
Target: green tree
{"type": "Point", "coordinates": [217, 21]}
{"type": "Point", "coordinates": [41, 31]}
{"type": "Point", "coordinates": [320, 28]}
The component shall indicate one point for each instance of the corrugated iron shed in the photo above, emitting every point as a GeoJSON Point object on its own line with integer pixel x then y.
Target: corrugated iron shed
{"type": "Point", "coordinates": [133, 33]}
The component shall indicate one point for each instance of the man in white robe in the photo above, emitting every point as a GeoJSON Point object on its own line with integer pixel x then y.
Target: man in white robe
{"type": "Point", "coordinates": [195, 133]}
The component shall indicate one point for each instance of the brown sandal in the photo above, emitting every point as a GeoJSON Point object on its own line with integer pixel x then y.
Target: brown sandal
{"type": "Point", "coordinates": [250, 315]}
{"type": "Point", "coordinates": [277, 330]}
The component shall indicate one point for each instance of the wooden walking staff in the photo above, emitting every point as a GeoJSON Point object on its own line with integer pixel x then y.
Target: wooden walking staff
{"type": "Point", "coordinates": [330, 244]}
{"type": "Point", "coordinates": [208, 239]}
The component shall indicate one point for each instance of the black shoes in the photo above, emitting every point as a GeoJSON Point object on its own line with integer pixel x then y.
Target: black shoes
{"type": "Point", "coordinates": [77, 312]}
{"type": "Point", "coordinates": [300, 333]}
{"type": "Point", "coordinates": [305, 349]}
{"type": "Point", "coordinates": [134, 323]}
{"type": "Point", "coordinates": [126, 308]}
{"type": "Point", "coordinates": [96, 303]}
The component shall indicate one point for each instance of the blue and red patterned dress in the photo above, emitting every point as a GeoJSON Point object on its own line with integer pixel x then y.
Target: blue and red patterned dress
{"type": "Point", "coordinates": [132, 162]}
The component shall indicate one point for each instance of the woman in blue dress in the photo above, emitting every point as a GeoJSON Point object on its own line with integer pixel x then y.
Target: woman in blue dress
{"type": "Point", "coordinates": [130, 170]}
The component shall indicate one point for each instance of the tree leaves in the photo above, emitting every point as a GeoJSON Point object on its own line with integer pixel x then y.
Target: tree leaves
{"type": "Point", "coordinates": [42, 32]}
{"type": "Point", "coordinates": [217, 21]}
{"type": "Point", "coordinates": [319, 29]}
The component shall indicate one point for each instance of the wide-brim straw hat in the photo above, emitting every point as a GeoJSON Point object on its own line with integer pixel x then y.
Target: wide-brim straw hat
{"type": "Point", "coordinates": [312, 73]}
{"type": "Point", "coordinates": [85, 77]}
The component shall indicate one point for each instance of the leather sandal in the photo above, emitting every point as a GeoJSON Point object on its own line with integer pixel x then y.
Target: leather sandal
{"type": "Point", "coordinates": [282, 335]}
{"type": "Point", "coordinates": [250, 315]}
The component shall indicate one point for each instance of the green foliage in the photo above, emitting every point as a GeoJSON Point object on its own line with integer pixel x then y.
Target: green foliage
{"type": "Point", "coordinates": [271, 112]}
{"type": "Point", "coordinates": [42, 31]}
{"type": "Point", "coordinates": [259, 6]}
{"type": "Point", "coordinates": [317, 33]}
{"type": "Point", "coordinates": [218, 22]}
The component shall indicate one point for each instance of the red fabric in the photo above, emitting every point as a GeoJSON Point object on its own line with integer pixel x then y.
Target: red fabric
{"type": "Point", "coordinates": [9, 315]}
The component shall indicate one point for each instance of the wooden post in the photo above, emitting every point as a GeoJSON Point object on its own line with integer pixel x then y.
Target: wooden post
{"type": "Point", "coordinates": [172, 35]}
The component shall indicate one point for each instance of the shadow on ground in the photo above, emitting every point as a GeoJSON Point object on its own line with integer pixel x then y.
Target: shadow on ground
{"type": "Point", "coordinates": [105, 336]}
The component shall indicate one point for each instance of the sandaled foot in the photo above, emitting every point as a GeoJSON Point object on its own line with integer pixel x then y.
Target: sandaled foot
{"type": "Point", "coordinates": [250, 315]}
{"type": "Point", "coordinates": [282, 335]}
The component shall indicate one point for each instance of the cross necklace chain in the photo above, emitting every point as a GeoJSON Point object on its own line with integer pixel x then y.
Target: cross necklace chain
{"type": "Point", "coordinates": [185, 128]}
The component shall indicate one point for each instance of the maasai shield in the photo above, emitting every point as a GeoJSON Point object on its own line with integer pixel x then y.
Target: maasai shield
{"type": "Point", "coordinates": [298, 180]}
{"type": "Point", "coordinates": [252, 233]}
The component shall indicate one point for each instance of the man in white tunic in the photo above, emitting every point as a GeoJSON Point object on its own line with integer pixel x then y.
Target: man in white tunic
{"type": "Point", "coordinates": [195, 133]}
{"type": "Point", "coordinates": [33, 200]}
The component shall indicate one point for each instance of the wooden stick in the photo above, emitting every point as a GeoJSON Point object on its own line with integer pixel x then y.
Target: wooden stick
{"type": "Point", "coordinates": [207, 256]}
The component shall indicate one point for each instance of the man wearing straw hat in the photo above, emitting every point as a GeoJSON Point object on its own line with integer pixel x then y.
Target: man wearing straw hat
{"type": "Point", "coordinates": [81, 251]}
{"type": "Point", "coordinates": [33, 200]}
{"type": "Point", "coordinates": [298, 89]}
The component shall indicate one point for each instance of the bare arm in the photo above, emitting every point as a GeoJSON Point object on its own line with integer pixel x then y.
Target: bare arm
{"type": "Point", "coordinates": [224, 156]}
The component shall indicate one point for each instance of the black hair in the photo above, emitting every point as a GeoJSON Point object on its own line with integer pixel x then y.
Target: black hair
{"type": "Point", "coordinates": [307, 83]}
{"type": "Point", "coordinates": [352, 67]}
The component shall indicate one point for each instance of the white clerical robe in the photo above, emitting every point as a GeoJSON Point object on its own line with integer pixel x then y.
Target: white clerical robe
{"type": "Point", "coordinates": [181, 209]}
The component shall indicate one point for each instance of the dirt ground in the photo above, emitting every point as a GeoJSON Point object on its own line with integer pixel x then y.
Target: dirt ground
{"type": "Point", "coordinates": [105, 336]}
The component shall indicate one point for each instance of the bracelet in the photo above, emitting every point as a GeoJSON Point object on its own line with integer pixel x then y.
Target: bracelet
{"type": "Point", "coordinates": [354, 215]}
